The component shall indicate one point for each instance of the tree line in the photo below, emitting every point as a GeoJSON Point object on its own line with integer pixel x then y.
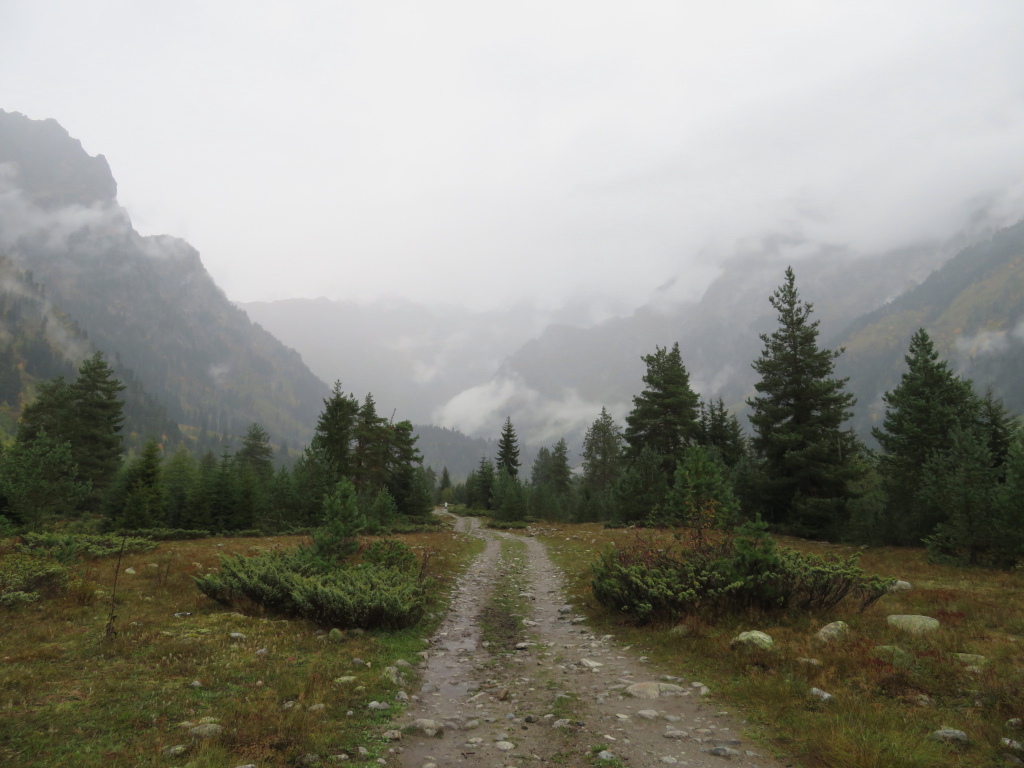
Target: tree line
{"type": "Point", "coordinates": [949, 471]}
{"type": "Point", "coordinates": [67, 462]}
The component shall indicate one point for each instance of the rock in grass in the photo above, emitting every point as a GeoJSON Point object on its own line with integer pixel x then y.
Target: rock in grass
{"type": "Point", "coordinates": [206, 730]}
{"type": "Point", "coordinates": [948, 736]}
{"type": "Point", "coordinates": [837, 630]}
{"type": "Point", "coordinates": [393, 735]}
{"type": "Point", "coordinates": [820, 694]}
{"type": "Point", "coordinates": [900, 586]}
{"type": "Point", "coordinates": [604, 754]}
{"type": "Point", "coordinates": [753, 640]}
{"type": "Point", "coordinates": [176, 751]}
{"type": "Point", "coordinates": [893, 654]}
{"type": "Point", "coordinates": [344, 680]}
{"type": "Point", "coordinates": [916, 625]}
{"type": "Point", "coordinates": [971, 660]}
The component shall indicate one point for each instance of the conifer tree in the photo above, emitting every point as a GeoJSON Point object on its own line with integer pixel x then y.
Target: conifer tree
{"type": "Point", "coordinates": [921, 413]}
{"type": "Point", "coordinates": [508, 450]}
{"type": "Point", "coordinates": [809, 460]}
{"type": "Point", "coordinates": [256, 453]}
{"type": "Point", "coordinates": [602, 453]}
{"type": "Point", "coordinates": [96, 441]}
{"type": "Point", "coordinates": [721, 431]}
{"type": "Point", "coordinates": [331, 446]}
{"type": "Point", "coordinates": [664, 415]}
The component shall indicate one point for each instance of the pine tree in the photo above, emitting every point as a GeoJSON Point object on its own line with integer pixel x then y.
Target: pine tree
{"type": "Point", "coordinates": [959, 494]}
{"type": "Point", "coordinates": [641, 491]}
{"type": "Point", "coordinates": [540, 475]}
{"type": "Point", "coordinates": [479, 491]}
{"type": "Point", "coordinates": [921, 413]}
{"type": "Point", "coordinates": [39, 481]}
{"type": "Point", "coordinates": [664, 415]}
{"type": "Point", "coordinates": [560, 473]}
{"type": "Point", "coordinates": [602, 454]}
{"type": "Point", "coordinates": [509, 499]}
{"type": "Point", "coordinates": [336, 539]}
{"type": "Point", "coordinates": [701, 497]}
{"type": "Point", "coordinates": [721, 432]}
{"type": "Point", "coordinates": [508, 450]}
{"type": "Point", "coordinates": [809, 460]}
{"type": "Point", "coordinates": [331, 446]}
{"type": "Point", "coordinates": [256, 453]}
{"type": "Point", "coordinates": [96, 442]}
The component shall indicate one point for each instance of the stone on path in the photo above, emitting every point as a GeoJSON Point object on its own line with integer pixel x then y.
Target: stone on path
{"type": "Point", "coordinates": [428, 727]}
{"type": "Point", "coordinates": [916, 625]}
{"type": "Point", "coordinates": [753, 640]}
{"type": "Point", "coordinates": [652, 690]}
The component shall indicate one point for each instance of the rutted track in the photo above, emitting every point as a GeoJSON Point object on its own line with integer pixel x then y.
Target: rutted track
{"type": "Point", "coordinates": [561, 699]}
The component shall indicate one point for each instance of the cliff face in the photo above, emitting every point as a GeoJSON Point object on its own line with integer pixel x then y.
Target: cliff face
{"type": "Point", "coordinates": [51, 168]}
{"type": "Point", "coordinates": [147, 302]}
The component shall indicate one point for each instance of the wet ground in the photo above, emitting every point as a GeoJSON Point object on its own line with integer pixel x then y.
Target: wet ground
{"type": "Point", "coordinates": [564, 697]}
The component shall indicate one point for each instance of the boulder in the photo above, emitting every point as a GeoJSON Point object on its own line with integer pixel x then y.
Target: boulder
{"type": "Point", "coordinates": [753, 640]}
{"type": "Point", "coordinates": [837, 630]}
{"type": "Point", "coordinates": [916, 625]}
{"type": "Point", "coordinates": [948, 736]}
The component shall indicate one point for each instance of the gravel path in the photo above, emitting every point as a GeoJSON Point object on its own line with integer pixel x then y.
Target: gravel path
{"type": "Point", "coordinates": [564, 699]}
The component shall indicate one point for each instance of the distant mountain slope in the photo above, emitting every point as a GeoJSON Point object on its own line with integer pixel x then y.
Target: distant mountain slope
{"type": "Point", "coordinates": [973, 307]}
{"type": "Point", "coordinates": [147, 301]}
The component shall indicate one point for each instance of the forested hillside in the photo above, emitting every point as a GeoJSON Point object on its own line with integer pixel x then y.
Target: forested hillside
{"type": "Point", "coordinates": [972, 308]}
{"type": "Point", "coordinates": [146, 302]}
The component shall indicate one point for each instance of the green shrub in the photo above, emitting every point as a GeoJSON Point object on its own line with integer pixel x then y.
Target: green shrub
{"type": "Point", "coordinates": [391, 553]}
{"type": "Point", "coordinates": [66, 547]}
{"type": "Point", "coordinates": [24, 578]}
{"type": "Point", "coordinates": [749, 572]}
{"type": "Point", "coordinates": [291, 583]}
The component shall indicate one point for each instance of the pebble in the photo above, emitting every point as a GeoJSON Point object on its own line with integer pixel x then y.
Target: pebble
{"type": "Point", "coordinates": [505, 746]}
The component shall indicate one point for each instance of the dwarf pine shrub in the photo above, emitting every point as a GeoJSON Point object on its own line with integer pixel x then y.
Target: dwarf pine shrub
{"type": "Point", "coordinates": [383, 593]}
{"type": "Point", "coordinates": [749, 572]}
{"type": "Point", "coordinates": [24, 578]}
{"type": "Point", "coordinates": [69, 546]}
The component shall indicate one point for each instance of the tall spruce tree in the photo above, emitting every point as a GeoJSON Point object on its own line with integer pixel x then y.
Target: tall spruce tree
{"type": "Point", "coordinates": [508, 450]}
{"type": "Point", "coordinates": [602, 453]}
{"type": "Point", "coordinates": [721, 432]}
{"type": "Point", "coordinates": [331, 446]}
{"type": "Point", "coordinates": [99, 416]}
{"type": "Point", "coordinates": [664, 416]}
{"type": "Point", "coordinates": [809, 460]}
{"type": "Point", "coordinates": [921, 414]}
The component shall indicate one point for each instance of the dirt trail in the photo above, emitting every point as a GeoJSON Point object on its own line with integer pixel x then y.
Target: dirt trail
{"type": "Point", "coordinates": [560, 700]}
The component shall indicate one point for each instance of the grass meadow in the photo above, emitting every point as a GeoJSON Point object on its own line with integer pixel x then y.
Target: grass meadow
{"type": "Point", "coordinates": [72, 694]}
{"type": "Point", "coordinates": [885, 704]}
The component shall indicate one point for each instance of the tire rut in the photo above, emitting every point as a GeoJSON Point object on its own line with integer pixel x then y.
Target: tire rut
{"type": "Point", "coordinates": [561, 697]}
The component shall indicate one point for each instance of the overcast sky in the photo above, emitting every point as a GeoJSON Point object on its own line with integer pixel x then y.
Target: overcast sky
{"type": "Point", "coordinates": [486, 151]}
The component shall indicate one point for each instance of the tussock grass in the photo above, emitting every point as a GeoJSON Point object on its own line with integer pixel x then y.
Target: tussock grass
{"type": "Point", "coordinates": [884, 707]}
{"type": "Point", "coordinates": [71, 696]}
